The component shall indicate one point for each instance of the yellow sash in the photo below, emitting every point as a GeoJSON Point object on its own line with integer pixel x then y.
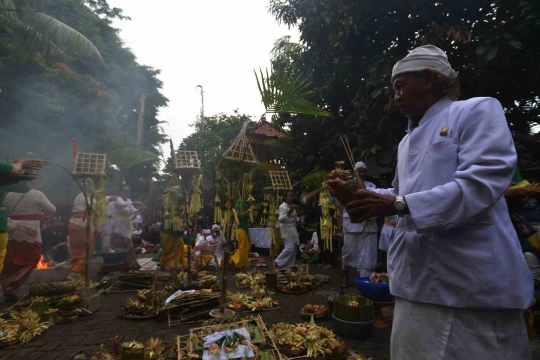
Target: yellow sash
{"type": "Point", "coordinates": [118, 217]}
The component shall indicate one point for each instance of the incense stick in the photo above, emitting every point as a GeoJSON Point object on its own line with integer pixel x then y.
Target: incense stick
{"type": "Point", "coordinates": [348, 150]}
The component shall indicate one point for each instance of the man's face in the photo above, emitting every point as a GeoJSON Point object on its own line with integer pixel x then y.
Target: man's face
{"type": "Point", "coordinates": [57, 224]}
{"type": "Point", "coordinates": [124, 193]}
{"type": "Point", "coordinates": [410, 92]}
{"type": "Point", "coordinates": [362, 173]}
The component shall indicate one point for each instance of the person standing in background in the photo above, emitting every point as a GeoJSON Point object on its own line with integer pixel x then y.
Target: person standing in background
{"type": "Point", "coordinates": [77, 228]}
{"type": "Point", "coordinates": [24, 247]}
{"type": "Point", "coordinates": [240, 258]}
{"type": "Point", "coordinates": [55, 241]}
{"type": "Point", "coordinates": [122, 227]}
{"type": "Point", "coordinates": [287, 219]}
{"type": "Point", "coordinates": [7, 171]}
{"type": "Point", "coordinates": [359, 252]}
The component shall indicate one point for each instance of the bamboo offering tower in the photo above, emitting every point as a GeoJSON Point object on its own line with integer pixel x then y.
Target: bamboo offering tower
{"type": "Point", "coordinates": [233, 182]}
{"type": "Point", "coordinates": [90, 170]}
{"type": "Point", "coordinates": [188, 167]}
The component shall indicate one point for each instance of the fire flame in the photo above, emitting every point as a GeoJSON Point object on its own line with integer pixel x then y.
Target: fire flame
{"type": "Point", "coordinates": [42, 264]}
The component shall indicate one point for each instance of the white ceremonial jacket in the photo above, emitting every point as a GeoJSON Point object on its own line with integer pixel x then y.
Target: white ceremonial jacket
{"type": "Point", "coordinates": [458, 247]}
{"type": "Point", "coordinates": [287, 224]}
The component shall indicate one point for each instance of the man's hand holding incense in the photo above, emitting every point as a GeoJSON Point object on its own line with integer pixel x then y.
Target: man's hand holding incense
{"type": "Point", "coordinates": [368, 204]}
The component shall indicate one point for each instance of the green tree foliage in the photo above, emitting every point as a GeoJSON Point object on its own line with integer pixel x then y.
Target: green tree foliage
{"type": "Point", "coordinates": [348, 48]}
{"type": "Point", "coordinates": [45, 103]}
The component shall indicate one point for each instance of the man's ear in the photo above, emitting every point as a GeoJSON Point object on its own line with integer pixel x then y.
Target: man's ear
{"type": "Point", "coordinates": [429, 79]}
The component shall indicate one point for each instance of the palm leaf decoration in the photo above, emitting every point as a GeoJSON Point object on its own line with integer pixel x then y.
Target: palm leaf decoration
{"type": "Point", "coordinates": [313, 180]}
{"type": "Point", "coordinates": [126, 158]}
{"type": "Point", "coordinates": [43, 34]}
{"type": "Point", "coordinates": [283, 93]}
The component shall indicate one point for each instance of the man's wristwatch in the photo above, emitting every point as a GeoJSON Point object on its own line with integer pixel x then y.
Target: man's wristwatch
{"type": "Point", "coordinates": [400, 205]}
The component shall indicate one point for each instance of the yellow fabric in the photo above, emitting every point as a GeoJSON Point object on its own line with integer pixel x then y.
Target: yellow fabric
{"type": "Point", "coordinates": [276, 246]}
{"type": "Point", "coordinates": [118, 217]}
{"type": "Point", "coordinates": [167, 249]}
{"type": "Point", "coordinates": [3, 246]}
{"type": "Point", "coordinates": [240, 258]}
{"type": "Point", "coordinates": [77, 247]}
{"type": "Point", "coordinates": [204, 260]}
{"type": "Point", "coordinates": [185, 254]}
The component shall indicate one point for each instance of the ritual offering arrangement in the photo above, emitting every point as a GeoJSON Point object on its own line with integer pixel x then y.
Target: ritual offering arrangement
{"type": "Point", "coordinates": [243, 339]}
{"type": "Point", "coordinates": [132, 281]}
{"type": "Point", "coordinates": [258, 300]}
{"type": "Point", "coordinates": [154, 349]}
{"type": "Point", "coordinates": [307, 340]}
{"type": "Point", "coordinates": [20, 327]}
{"type": "Point", "coordinates": [313, 311]}
{"type": "Point", "coordinates": [136, 310]}
{"type": "Point", "coordinates": [51, 289]}
{"type": "Point", "coordinates": [209, 282]}
{"type": "Point", "coordinates": [190, 305]}
{"type": "Point", "coordinates": [379, 278]}
{"type": "Point", "coordinates": [297, 283]}
{"type": "Point", "coordinates": [249, 279]}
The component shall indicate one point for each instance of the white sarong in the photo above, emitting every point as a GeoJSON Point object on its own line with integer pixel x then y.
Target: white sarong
{"type": "Point", "coordinates": [360, 252]}
{"type": "Point", "coordinates": [434, 332]}
{"type": "Point", "coordinates": [287, 257]}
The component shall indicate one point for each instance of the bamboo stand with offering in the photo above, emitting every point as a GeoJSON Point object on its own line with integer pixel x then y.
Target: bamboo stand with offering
{"type": "Point", "coordinates": [187, 166]}
{"type": "Point", "coordinates": [88, 166]}
{"type": "Point", "coordinates": [235, 163]}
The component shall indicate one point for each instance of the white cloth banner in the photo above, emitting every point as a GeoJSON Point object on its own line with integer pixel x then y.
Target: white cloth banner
{"type": "Point", "coordinates": [242, 351]}
{"type": "Point", "coordinates": [259, 237]}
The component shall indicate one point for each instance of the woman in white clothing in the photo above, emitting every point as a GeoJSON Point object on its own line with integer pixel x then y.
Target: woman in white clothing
{"type": "Point", "coordinates": [287, 226]}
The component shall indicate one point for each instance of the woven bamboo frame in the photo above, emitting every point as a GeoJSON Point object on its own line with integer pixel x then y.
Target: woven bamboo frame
{"type": "Point", "coordinates": [186, 159]}
{"type": "Point", "coordinates": [186, 163]}
{"type": "Point", "coordinates": [280, 180]}
{"type": "Point", "coordinates": [89, 164]}
{"type": "Point", "coordinates": [185, 344]}
{"type": "Point", "coordinates": [239, 151]}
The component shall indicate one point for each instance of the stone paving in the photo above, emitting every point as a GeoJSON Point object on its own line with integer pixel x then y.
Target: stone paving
{"type": "Point", "coordinates": [82, 338]}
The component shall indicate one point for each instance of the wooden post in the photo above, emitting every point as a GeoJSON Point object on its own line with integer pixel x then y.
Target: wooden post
{"type": "Point", "coordinates": [141, 119]}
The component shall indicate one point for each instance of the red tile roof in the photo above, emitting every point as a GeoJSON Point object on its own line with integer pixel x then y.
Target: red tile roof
{"type": "Point", "coordinates": [265, 129]}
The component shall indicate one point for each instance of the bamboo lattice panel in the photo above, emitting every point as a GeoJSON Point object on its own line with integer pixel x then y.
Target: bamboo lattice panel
{"type": "Point", "coordinates": [240, 151]}
{"type": "Point", "coordinates": [89, 164]}
{"type": "Point", "coordinates": [186, 159]}
{"type": "Point", "coordinates": [280, 180]}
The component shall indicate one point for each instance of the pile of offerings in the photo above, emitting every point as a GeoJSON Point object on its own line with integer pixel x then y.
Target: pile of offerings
{"type": "Point", "coordinates": [20, 327]}
{"type": "Point", "coordinates": [315, 311]}
{"type": "Point", "coordinates": [154, 349]}
{"type": "Point", "coordinates": [149, 305]}
{"type": "Point", "coordinates": [249, 279]}
{"type": "Point", "coordinates": [297, 283]}
{"type": "Point", "coordinates": [244, 339]}
{"type": "Point", "coordinates": [379, 278]}
{"type": "Point", "coordinates": [132, 281]}
{"type": "Point", "coordinates": [307, 340]}
{"type": "Point", "coordinates": [190, 305]}
{"type": "Point", "coordinates": [258, 300]}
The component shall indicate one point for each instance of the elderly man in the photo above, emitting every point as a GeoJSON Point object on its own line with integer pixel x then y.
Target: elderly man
{"type": "Point", "coordinates": [456, 268]}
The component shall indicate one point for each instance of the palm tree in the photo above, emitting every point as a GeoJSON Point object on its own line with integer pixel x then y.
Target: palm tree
{"type": "Point", "coordinates": [284, 93]}
{"type": "Point", "coordinates": [43, 34]}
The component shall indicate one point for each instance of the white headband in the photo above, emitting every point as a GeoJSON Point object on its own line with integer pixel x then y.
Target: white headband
{"type": "Point", "coordinates": [360, 165]}
{"type": "Point", "coordinates": [424, 57]}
